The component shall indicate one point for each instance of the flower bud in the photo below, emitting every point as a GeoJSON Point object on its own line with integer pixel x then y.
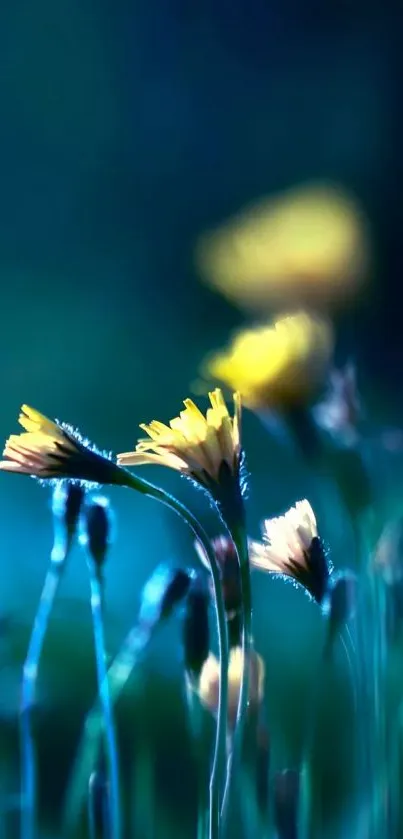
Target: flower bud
{"type": "Point", "coordinates": [67, 500]}
{"type": "Point", "coordinates": [96, 529]}
{"type": "Point", "coordinates": [162, 592]}
{"type": "Point", "coordinates": [210, 679]}
{"type": "Point", "coordinates": [339, 602]}
{"type": "Point", "coordinates": [195, 628]}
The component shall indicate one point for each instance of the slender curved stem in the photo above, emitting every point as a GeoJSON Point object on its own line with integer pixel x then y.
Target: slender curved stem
{"type": "Point", "coordinates": [125, 478]}
{"type": "Point", "coordinates": [118, 675]}
{"type": "Point", "coordinates": [238, 535]}
{"type": "Point", "coordinates": [111, 754]}
{"type": "Point", "coordinates": [28, 694]}
{"type": "Point", "coordinates": [219, 763]}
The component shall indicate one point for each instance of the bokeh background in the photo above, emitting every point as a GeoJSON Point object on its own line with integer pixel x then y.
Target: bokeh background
{"type": "Point", "coordinates": [127, 129]}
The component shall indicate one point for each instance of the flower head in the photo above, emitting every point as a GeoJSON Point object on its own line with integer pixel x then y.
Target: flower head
{"type": "Point", "coordinates": [208, 687]}
{"type": "Point", "coordinates": [205, 448]}
{"type": "Point", "coordinates": [279, 366]}
{"type": "Point", "coordinates": [308, 244]}
{"type": "Point", "coordinates": [291, 547]}
{"type": "Point", "coordinates": [48, 449]}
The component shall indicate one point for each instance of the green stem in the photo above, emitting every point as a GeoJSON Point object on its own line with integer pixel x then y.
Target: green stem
{"type": "Point", "coordinates": [110, 740]}
{"type": "Point", "coordinates": [238, 535]}
{"type": "Point", "coordinates": [219, 767]}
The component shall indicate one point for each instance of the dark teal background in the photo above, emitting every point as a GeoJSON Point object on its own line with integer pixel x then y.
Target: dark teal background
{"type": "Point", "coordinates": [126, 130]}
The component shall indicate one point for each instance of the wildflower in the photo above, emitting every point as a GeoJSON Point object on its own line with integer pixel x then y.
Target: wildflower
{"type": "Point", "coordinates": [308, 244]}
{"type": "Point", "coordinates": [48, 449]}
{"type": "Point", "coordinates": [340, 412]}
{"type": "Point", "coordinates": [291, 547]}
{"type": "Point", "coordinates": [208, 686]}
{"type": "Point", "coordinates": [278, 366]}
{"type": "Point", "coordinates": [204, 448]}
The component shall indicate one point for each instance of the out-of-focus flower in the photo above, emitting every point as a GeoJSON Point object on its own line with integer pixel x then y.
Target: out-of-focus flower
{"type": "Point", "coordinates": [204, 448]}
{"type": "Point", "coordinates": [291, 547]}
{"type": "Point", "coordinates": [208, 687]}
{"type": "Point", "coordinates": [279, 366]}
{"type": "Point", "coordinates": [48, 449]}
{"type": "Point", "coordinates": [196, 629]}
{"type": "Point", "coordinates": [309, 245]}
{"type": "Point", "coordinates": [388, 555]}
{"type": "Point", "coordinates": [227, 561]}
{"type": "Point", "coordinates": [340, 412]}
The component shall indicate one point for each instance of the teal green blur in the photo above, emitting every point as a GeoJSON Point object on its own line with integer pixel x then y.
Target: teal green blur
{"type": "Point", "coordinates": [128, 129]}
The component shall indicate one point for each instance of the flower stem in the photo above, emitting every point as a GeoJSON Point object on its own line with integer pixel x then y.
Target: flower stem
{"type": "Point", "coordinates": [217, 778]}
{"type": "Point", "coordinates": [238, 535]}
{"type": "Point", "coordinates": [111, 756]}
{"type": "Point", "coordinates": [219, 767]}
{"type": "Point", "coordinates": [28, 694]}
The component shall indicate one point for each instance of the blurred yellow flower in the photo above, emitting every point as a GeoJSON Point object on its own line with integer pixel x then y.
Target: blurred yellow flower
{"type": "Point", "coordinates": [208, 686]}
{"type": "Point", "coordinates": [198, 446]}
{"type": "Point", "coordinates": [308, 245]}
{"type": "Point", "coordinates": [291, 547]}
{"type": "Point", "coordinates": [276, 366]}
{"type": "Point", "coordinates": [47, 449]}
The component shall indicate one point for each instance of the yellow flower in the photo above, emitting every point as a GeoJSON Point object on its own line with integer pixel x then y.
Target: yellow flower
{"type": "Point", "coordinates": [309, 244]}
{"type": "Point", "coordinates": [291, 546]}
{"type": "Point", "coordinates": [276, 366]}
{"type": "Point", "coordinates": [47, 449]}
{"type": "Point", "coordinates": [198, 446]}
{"type": "Point", "coordinates": [208, 686]}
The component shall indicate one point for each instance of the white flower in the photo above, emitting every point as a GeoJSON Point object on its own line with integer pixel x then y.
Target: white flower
{"type": "Point", "coordinates": [291, 546]}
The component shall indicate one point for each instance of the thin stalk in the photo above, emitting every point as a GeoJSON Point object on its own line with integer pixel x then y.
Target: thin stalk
{"type": "Point", "coordinates": [238, 535]}
{"type": "Point", "coordinates": [197, 733]}
{"type": "Point", "coordinates": [28, 694]}
{"type": "Point", "coordinates": [111, 753]}
{"type": "Point", "coordinates": [85, 763]}
{"type": "Point", "coordinates": [219, 764]}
